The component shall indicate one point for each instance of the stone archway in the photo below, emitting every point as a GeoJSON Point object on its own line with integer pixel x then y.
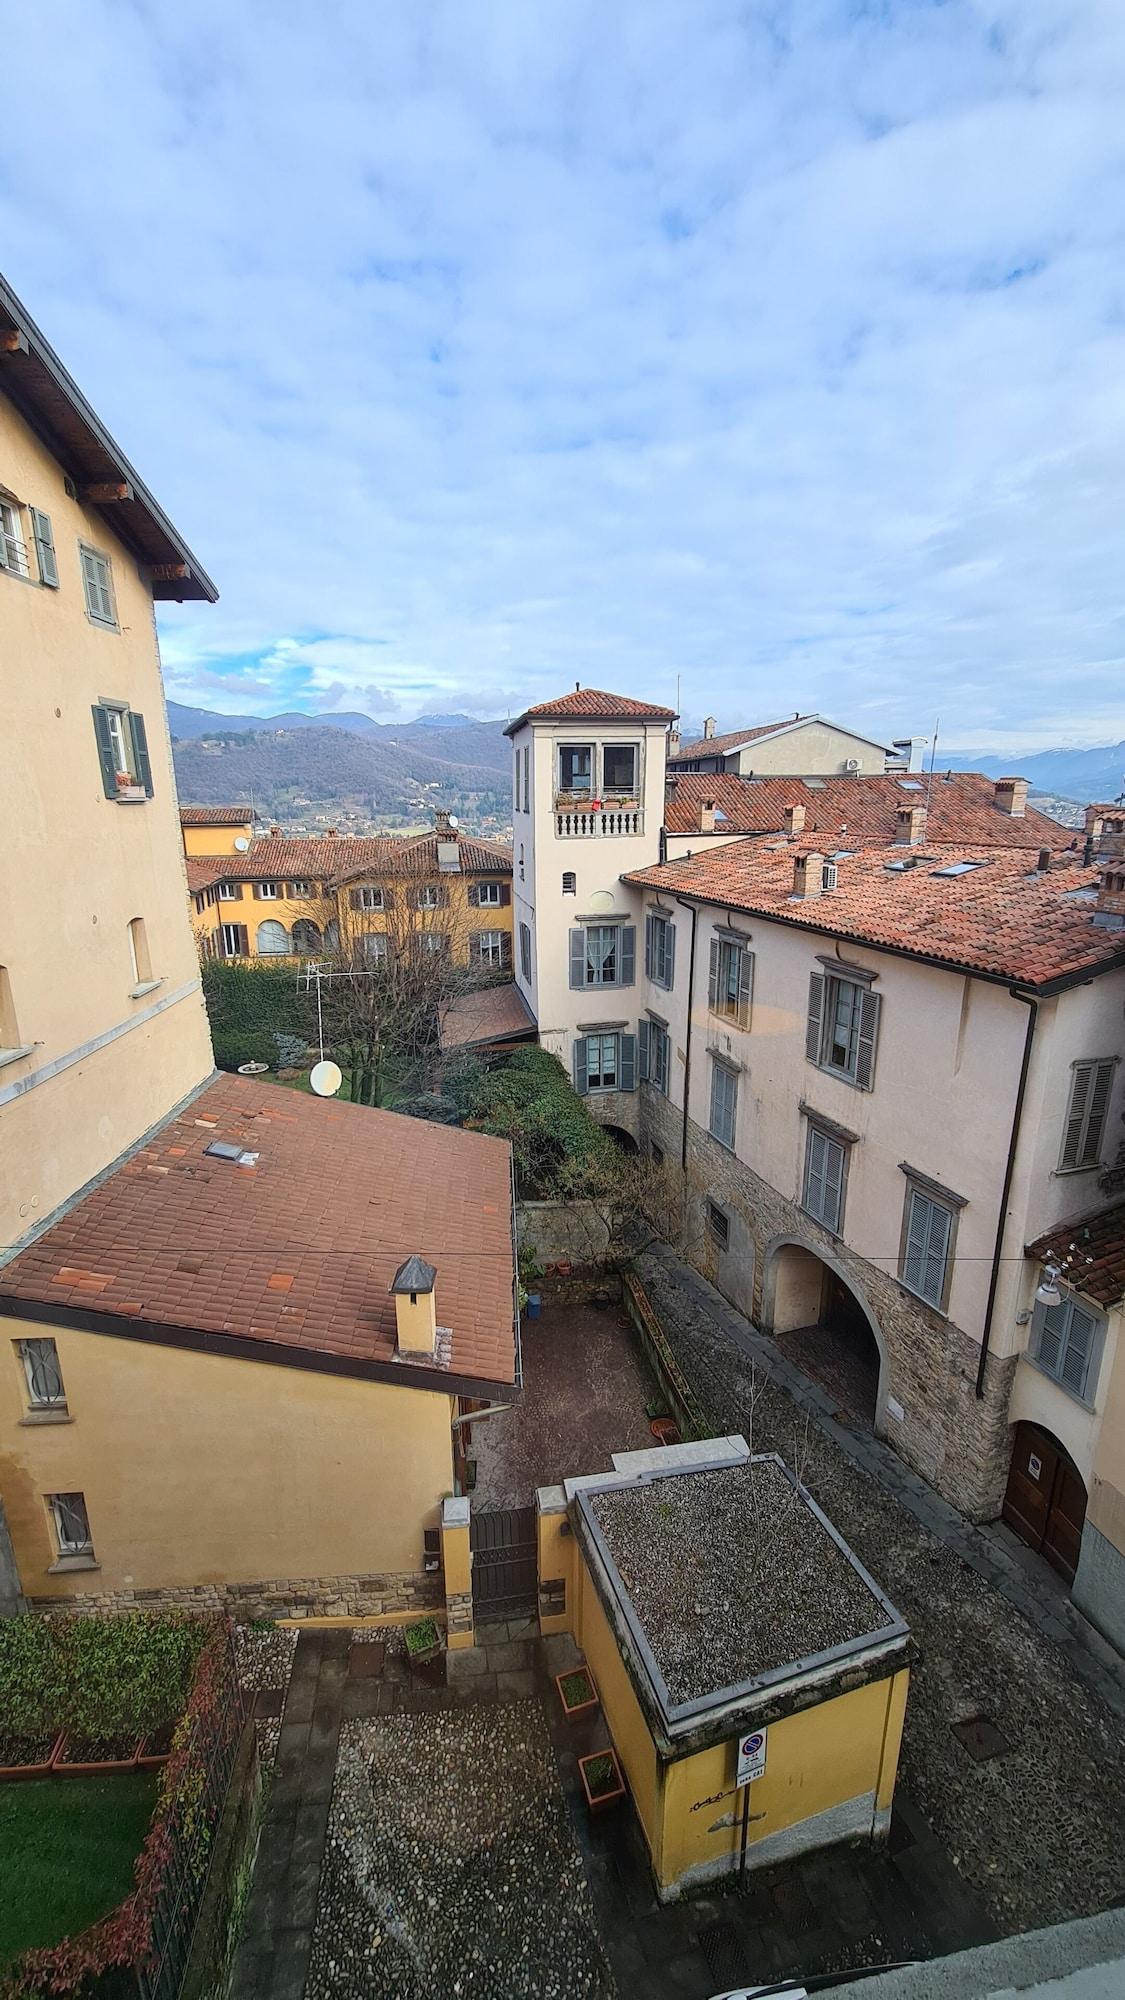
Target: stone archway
{"type": "Point", "coordinates": [823, 1323]}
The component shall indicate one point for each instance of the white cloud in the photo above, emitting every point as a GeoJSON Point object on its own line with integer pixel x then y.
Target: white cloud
{"type": "Point", "coordinates": [480, 350]}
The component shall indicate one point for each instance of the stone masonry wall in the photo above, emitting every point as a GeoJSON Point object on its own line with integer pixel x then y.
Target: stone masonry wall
{"type": "Point", "coordinates": [280, 1597]}
{"type": "Point", "coordinates": [958, 1443]}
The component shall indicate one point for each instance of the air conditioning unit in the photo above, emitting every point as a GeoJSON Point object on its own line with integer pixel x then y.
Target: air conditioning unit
{"type": "Point", "coordinates": [828, 875]}
{"type": "Point", "coordinates": [851, 764]}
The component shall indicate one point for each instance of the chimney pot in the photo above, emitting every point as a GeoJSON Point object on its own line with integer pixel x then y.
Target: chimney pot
{"type": "Point", "coordinates": [808, 876]}
{"type": "Point", "coordinates": [707, 816]}
{"type": "Point", "coordinates": [412, 1288]}
{"type": "Point", "coordinates": [1111, 890]}
{"type": "Point", "coordinates": [275, 833]}
{"type": "Point", "coordinates": [793, 819]}
{"type": "Point", "coordinates": [1011, 796]}
{"type": "Point", "coordinates": [708, 725]}
{"type": "Point", "coordinates": [1044, 861]}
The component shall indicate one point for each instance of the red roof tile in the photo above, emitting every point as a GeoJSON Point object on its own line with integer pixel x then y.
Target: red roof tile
{"type": "Point", "coordinates": [493, 1014]}
{"type": "Point", "coordinates": [1001, 918]}
{"type": "Point", "coordinates": [1090, 1252]}
{"type": "Point", "coordinates": [341, 860]}
{"type": "Point", "coordinates": [961, 805]}
{"type": "Point", "coordinates": [591, 705]}
{"type": "Point", "coordinates": [718, 746]}
{"type": "Point", "coordinates": [217, 815]}
{"type": "Point", "coordinates": [339, 1196]}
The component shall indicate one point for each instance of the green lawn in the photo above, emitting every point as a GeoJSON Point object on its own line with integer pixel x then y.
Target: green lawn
{"type": "Point", "coordinates": [67, 1849]}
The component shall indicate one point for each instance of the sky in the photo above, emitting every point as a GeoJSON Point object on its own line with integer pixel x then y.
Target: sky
{"type": "Point", "coordinates": [771, 351]}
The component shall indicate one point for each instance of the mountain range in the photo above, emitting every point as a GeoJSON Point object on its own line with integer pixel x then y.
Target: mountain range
{"type": "Point", "coordinates": [1071, 774]}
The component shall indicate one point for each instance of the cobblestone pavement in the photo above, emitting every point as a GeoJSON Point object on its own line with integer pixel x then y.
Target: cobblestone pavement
{"type": "Point", "coordinates": [1037, 1829]}
{"type": "Point", "coordinates": [450, 1867]}
{"type": "Point", "coordinates": [584, 1394]}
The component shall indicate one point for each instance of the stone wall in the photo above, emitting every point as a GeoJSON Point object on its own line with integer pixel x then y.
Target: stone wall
{"type": "Point", "coordinates": [563, 1232]}
{"type": "Point", "coordinates": [280, 1597]}
{"type": "Point", "coordinates": [958, 1443]}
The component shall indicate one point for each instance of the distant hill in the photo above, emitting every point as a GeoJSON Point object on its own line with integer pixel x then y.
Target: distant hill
{"type": "Point", "coordinates": [1069, 774]}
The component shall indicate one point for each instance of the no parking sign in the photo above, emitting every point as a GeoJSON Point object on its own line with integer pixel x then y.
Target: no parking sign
{"type": "Point", "coordinates": [751, 1756]}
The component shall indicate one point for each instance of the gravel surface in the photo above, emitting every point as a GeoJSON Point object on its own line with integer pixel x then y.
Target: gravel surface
{"type": "Point", "coordinates": [450, 1871]}
{"type": "Point", "coordinates": [391, 1636]}
{"type": "Point", "coordinates": [731, 1574]}
{"type": "Point", "coordinates": [1038, 1831]}
{"type": "Point", "coordinates": [265, 1655]}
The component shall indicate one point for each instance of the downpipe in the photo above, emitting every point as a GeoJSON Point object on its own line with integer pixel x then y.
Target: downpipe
{"type": "Point", "coordinates": [1032, 1004]}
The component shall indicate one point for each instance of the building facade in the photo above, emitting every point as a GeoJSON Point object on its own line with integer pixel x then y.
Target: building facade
{"type": "Point", "coordinates": [800, 747]}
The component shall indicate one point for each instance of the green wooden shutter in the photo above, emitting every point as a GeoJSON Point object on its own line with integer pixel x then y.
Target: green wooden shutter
{"type": "Point", "coordinates": [648, 946]}
{"type": "Point", "coordinates": [142, 768]}
{"type": "Point", "coordinates": [45, 548]}
{"type": "Point", "coordinates": [669, 954]}
{"type": "Point", "coordinates": [869, 1004]}
{"type": "Point", "coordinates": [628, 955]}
{"type": "Point", "coordinates": [580, 1070]}
{"type": "Point", "coordinates": [105, 750]}
{"type": "Point", "coordinates": [815, 1015]}
{"type": "Point", "coordinates": [745, 986]}
{"type": "Point", "coordinates": [627, 1065]}
{"type": "Point", "coordinates": [577, 958]}
{"type": "Point", "coordinates": [643, 1030]}
{"type": "Point", "coordinates": [713, 975]}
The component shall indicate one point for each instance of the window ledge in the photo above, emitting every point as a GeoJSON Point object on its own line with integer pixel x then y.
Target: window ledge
{"type": "Point", "coordinates": [57, 1414]}
{"type": "Point", "coordinates": [131, 795]}
{"type": "Point", "coordinates": [1064, 1173]}
{"type": "Point", "coordinates": [941, 1311]}
{"type": "Point", "coordinates": [144, 986]}
{"type": "Point", "coordinates": [16, 1055]}
{"type": "Point", "coordinates": [1083, 1402]}
{"type": "Point", "coordinates": [66, 1564]}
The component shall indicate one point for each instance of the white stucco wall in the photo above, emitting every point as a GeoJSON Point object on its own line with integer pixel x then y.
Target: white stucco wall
{"type": "Point", "coordinates": [813, 749]}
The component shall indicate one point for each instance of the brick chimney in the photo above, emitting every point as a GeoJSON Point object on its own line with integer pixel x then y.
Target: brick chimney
{"type": "Point", "coordinates": [1011, 796]}
{"type": "Point", "coordinates": [808, 877]}
{"type": "Point", "coordinates": [674, 740]}
{"type": "Point", "coordinates": [708, 725]}
{"type": "Point", "coordinates": [443, 823]}
{"type": "Point", "coordinates": [275, 833]}
{"type": "Point", "coordinates": [707, 816]}
{"type": "Point", "coordinates": [1111, 891]}
{"type": "Point", "coordinates": [330, 833]}
{"type": "Point", "coordinates": [415, 1309]}
{"type": "Point", "coordinates": [910, 826]}
{"type": "Point", "coordinates": [793, 819]}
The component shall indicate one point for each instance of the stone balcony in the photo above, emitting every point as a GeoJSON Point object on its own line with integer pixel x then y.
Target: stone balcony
{"type": "Point", "coordinates": [595, 821]}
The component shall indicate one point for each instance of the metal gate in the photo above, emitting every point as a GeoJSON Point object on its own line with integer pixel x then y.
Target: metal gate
{"type": "Point", "coordinates": [504, 1561]}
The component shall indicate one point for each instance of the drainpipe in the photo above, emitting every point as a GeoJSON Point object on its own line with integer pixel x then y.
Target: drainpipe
{"type": "Point", "coordinates": [687, 1039]}
{"type": "Point", "coordinates": [1032, 1005]}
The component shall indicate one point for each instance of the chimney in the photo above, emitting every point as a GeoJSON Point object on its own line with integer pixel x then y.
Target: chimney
{"type": "Point", "coordinates": [1094, 821]}
{"type": "Point", "coordinates": [275, 833]}
{"type": "Point", "coordinates": [674, 740]}
{"type": "Point", "coordinates": [793, 819]}
{"type": "Point", "coordinates": [708, 725]}
{"type": "Point", "coordinates": [707, 816]}
{"type": "Point", "coordinates": [1043, 865]}
{"type": "Point", "coordinates": [1011, 796]}
{"type": "Point", "coordinates": [330, 833]}
{"type": "Point", "coordinates": [808, 876]}
{"type": "Point", "coordinates": [415, 1311]}
{"type": "Point", "coordinates": [910, 826]}
{"type": "Point", "coordinates": [443, 823]}
{"type": "Point", "coordinates": [1111, 892]}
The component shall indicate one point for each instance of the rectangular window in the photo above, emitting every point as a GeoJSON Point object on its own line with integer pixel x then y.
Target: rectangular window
{"type": "Point", "coordinates": [432, 944]}
{"type": "Point", "coordinates": [718, 1224]}
{"type": "Point", "coordinates": [97, 581]}
{"type": "Point", "coordinates": [367, 898]}
{"type": "Point", "coordinates": [724, 1104]}
{"type": "Point", "coordinates": [72, 1524]}
{"type": "Point", "coordinates": [488, 947]}
{"type": "Point", "coordinates": [655, 1053]}
{"type": "Point", "coordinates": [603, 955]}
{"type": "Point", "coordinates": [842, 1028]}
{"type": "Point", "coordinates": [41, 1369]}
{"type": "Point", "coordinates": [235, 943]}
{"type": "Point", "coordinates": [516, 781]}
{"type": "Point", "coordinates": [373, 947]}
{"type": "Point", "coordinates": [301, 889]}
{"type": "Point", "coordinates": [605, 1062]}
{"type": "Point", "coordinates": [527, 778]}
{"type": "Point", "coordinates": [1066, 1341]}
{"type": "Point", "coordinates": [13, 548]}
{"type": "Point", "coordinates": [730, 981]}
{"type": "Point", "coordinates": [525, 951]}
{"type": "Point", "coordinates": [576, 767]}
{"type": "Point", "coordinates": [266, 891]}
{"type": "Point", "coordinates": [619, 768]}
{"type": "Point", "coordinates": [139, 959]}
{"type": "Point", "coordinates": [569, 882]}
{"type": "Point", "coordinates": [122, 750]}
{"type": "Point", "coordinates": [1090, 1087]}
{"type": "Point", "coordinates": [489, 895]}
{"type": "Point", "coordinates": [601, 1062]}
{"type": "Point", "coordinates": [926, 1266]}
{"type": "Point", "coordinates": [825, 1172]}
{"type": "Point", "coordinates": [660, 947]}
{"type": "Point", "coordinates": [10, 1044]}
{"type": "Point", "coordinates": [230, 892]}
{"type": "Point", "coordinates": [431, 896]}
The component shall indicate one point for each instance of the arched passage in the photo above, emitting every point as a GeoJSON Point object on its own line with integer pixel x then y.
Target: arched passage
{"type": "Point", "coordinates": [621, 1138]}
{"type": "Point", "coordinates": [823, 1324]}
{"type": "Point", "coordinates": [1045, 1500]}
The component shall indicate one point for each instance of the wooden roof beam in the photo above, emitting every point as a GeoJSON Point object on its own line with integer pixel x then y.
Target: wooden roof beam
{"type": "Point", "coordinates": [102, 492]}
{"type": "Point", "coordinates": [12, 341]}
{"type": "Point", "coordinates": [165, 572]}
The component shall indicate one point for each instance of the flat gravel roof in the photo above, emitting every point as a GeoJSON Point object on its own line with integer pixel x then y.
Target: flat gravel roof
{"type": "Point", "coordinates": [731, 1574]}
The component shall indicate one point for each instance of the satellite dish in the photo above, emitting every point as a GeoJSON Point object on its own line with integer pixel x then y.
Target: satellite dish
{"type": "Point", "coordinates": [241, 844]}
{"type": "Point", "coordinates": [326, 1079]}
{"type": "Point", "coordinates": [453, 819]}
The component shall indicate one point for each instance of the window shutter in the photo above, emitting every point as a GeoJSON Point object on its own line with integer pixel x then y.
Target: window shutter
{"type": "Point", "coordinates": [243, 940]}
{"type": "Point", "coordinates": [937, 1252]}
{"type": "Point", "coordinates": [142, 768]}
{"type": "Point", "coordinates": [669, 954]}
{"type": "Point", "coordinates": [916, 1236]}
{"type": "Point", "coordinates": [1099, 1105]}
{"type": "Point", "coordinates": [816, 1010]}
{"type": "Point", "coordinates": [474, 896]}
{"type": "Point", "coordinates": [580, 1065]}
{"type": "Point", "coordinates": [505, 895]}
{"type": "Point", "coordinates": [105, 750]}
{"type": "Point", "coordinates": [1076, 1115]}
{"type": "Point", "coordinates": [713, 975]}
{"type": "Point", "coordinates": [506, 948]}
{"type": "Point", "coordinates": [1052, 1328]}
{"type": "Point", "coordinates": [814, 1173]}
{"type": "Point", "coordinates": [388, 899]}
{"type": "Point", "coordinates": [45, 548]}
{"type": "Point", "coordinates": [355, 899]}
{"type": "Point", "coordinates": [1079, 1348]}
{"type": "Point", "coordinates": [869, 1004]}
{"type": "Point", "coordinates": [627, 1073]}
{"type": "Point", "coordinates": [649, 926]}
{"type": "Point", "coordinates": [628, 955]}
{"type": "Point", "coordinates": [833, 1184]}
{"type": "Point", "coordinates": [745, 986]}
{"type": "Point", "coordinates": [642, 1050]}
{"type": "Point", "coordinates": [578, 958]}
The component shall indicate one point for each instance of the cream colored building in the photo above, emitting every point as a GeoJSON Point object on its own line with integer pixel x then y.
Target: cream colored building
{"type": "Point", "coordinates": [802, 746]}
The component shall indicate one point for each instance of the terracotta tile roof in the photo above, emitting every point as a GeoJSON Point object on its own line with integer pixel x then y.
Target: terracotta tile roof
{"type": "Point", "coordinates": [591, 705]}
{"type": "Point", "coordinates": [1090, 1252]}
{"type": "Point", "coordinates": [861, 811]}
{"type": "Point", "coordinates": [298, 1251]}
{"type": "Point", "coordinates": [1001, 918]}
{"type": "Point", "coordinates": [494, 1014]}
{"type": "Point", "coordinates": [417, 854]}
{"type": "Point", "coordinates": [718, 746]}
{"type": "Point", "coordinates": [342, 859]}
{"type": "Point", "coordinates": [202, 871]}
{"type": "Point", "coordinates": [217, 815]}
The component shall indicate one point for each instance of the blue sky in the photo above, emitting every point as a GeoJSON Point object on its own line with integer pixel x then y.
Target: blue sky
{"type": "Point", "coordinates": [479, 349]}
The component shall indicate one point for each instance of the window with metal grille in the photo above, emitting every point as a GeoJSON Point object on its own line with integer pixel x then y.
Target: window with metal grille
{"type": "Point", "coordinates": [927, 1251]}
{"type": "Point", "coordinates": [97, 581]}
{"type": "Point", "coordinates": [1090, 1087]}
{"type": "Point", "coordinates": [724, 1104]}
{"type": "Point", "coordinates": [731, 980]}
{"type": "Point", "coordinates": [40, 1360]}
{"type": "Point", "coordinates": [1066, 1341]}
{"type": "Point", "coordinates": [660, 947]}
{"type": "Point", "coordinates": [72, 1524]}
{"type": "Point", "coordinates": [826, 1163]}
{"type": "Point", "coordinates": [13, 548]}
{"type": "Point", "coordinates": [842, 1028]}
{"type": "Point", "coordinates": [718, 1224]}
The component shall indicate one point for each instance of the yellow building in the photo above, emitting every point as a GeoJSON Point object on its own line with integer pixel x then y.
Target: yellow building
{"type": "Point", "coordinates": [279, 897]}
{"type": "Point", "coordinates": [752, 1676]}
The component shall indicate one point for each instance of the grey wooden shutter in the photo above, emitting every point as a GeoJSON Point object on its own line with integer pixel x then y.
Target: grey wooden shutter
{"type": "Point", "coordinates": [578, 958]}
{"type": "Point", "coordinates": [868, 1037]}
{"type": "Point", "coordinates": [1076, 1114]}
{"type": "Point", "coordinates": [745, 986]}
{"type": "Point", "coordinates": [45, 548]}
{"type": "Point", "coordinates": [669, 954]}
{"type": "Point", "coordinates": [916, 1237]}
{"type": "Point", "coordinates": [1096, 1115]}
{"type": "Point", "coordinates": [642, 1050]}
{"type": "Point", "coordinates": [580, 1069]}
{"type": "Point", "coordinates": [1078, 1351]}
{"type": "Point", "coordinates": [1051, 1333]}
{"type": "Point", "coordinates": [815, 1016]}
{"type": "Point", "coordinates": [142, 769]}
{"type": "Point", "coordinates": [713, 975]}
{"type": "Point", "coordinates": [505, 895]}
{"type": "Point", "coordinates": [627, 1068]}
{"type": "Point", "coordinates": [105, 750]}
{"type": "Point", "coordinates": [833, 1184]}
{"type": "Point", "coordinates": [649, 926]}
{"type": "Point", "coordinates": [243, 940]}
{"type": "Point", "coordinates": [937, 1253]}
{"type": "Point", "coordinates": [814, 1173]}
{"type": "Point", "coordinates": [628, 955]}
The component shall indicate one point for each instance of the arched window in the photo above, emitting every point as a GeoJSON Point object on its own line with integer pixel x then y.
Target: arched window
{"type": "Point", "coordinates": [306, 936]}
{"type": "Point", "coordinates": [570, 882]}
{"type": "Point", "coordinates": [273, 939]}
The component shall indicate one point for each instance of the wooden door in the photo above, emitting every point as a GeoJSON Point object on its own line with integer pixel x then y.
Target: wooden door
{"type": "Point", "coordinates": [1063, 1537]}
{"type": "Point", "coordinates": [1045, 1502]}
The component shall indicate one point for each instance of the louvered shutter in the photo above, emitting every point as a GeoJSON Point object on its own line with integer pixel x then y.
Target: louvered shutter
{"type": "Point", "coordinates": [474, 895]}
{"type": "Point", "coordinates": [649, 928]}
{"type": "Point", "coordinates": [580, 1070]}
{"type": "Point", "coordinates": [937, 1252]}
{"type": "Point", "coordinates": [1076, 1115]}
{"type": "Point", "coordinates": [388, 899]}
{"type": "Point", "coordinates": [917, 1236]}
{"type": "Point", "coordinates": [243, 940]}
{"type": "Point", "coordinates": [1096, 1116]}
{"type": "Point", "coordinates": [713, 975]}
{"type": "Point", "coordinates": [628, 955]}
{"type": "Point", "coordinates": [1052, 1333]}
{"type": "Point", "coordinates": [142, 769]}
{"type": "Point", "coordinates": [869, 1004]}
{"type": "Point", "coordinates": [833, 1184]}
{"type": "Point", "coordinates": [505, 895]}
{"type": "Point", "coordinates": [105, 750]}
{"type": "Point", "coordinates": [745, 986]}
{"type": "Point", "coordinates": [355, 899]}
{"type": "Point", "coordinates": [1079, 1348]}
{"type": "Point", "coordinates": [669, 954]}
{"type": "Point", "coordinates": [577, 958]}
{"type": "Point", "coordinates": [627, 1071]}
{"type": "Point", "coordinates": [45, 548]}
{"type": "Point", "coordinates": [815, 1015]}
{"type": "Point", "coordinates": [814, 1173]}
{"type": "Point", "coordinates": [643, 1030]}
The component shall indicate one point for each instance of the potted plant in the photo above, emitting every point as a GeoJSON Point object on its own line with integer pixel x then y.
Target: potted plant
{"type": "Point", "coordinates": [423, 1642]}
{"type": "Point", "coordinates": [577, 1692]}
{"type": "Point", "coordinates": [602, 1781]}
{"type": "Point", "coordinates": [665, 1430]}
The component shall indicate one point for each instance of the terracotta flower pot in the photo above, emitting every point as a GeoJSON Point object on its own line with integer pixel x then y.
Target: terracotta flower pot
{"type": "Point", "coordinates": [573, 1709]}
{"type": "Point", "coordinates": [603, 1789]}
{"type": "Point", "coordinates": [102, 1767]}
{"type": "Point", "coordinates": [665, 1430]}
{"type": "Point", "coordinates": [42, 1769]}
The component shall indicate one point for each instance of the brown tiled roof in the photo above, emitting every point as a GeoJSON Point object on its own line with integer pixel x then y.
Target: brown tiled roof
{"type": "Point", "coordinates": [717, 746]}
{"type": "Point", "coordinates": [341, 860]}
{"type": "Point", "coordinates": [217, 815]}
{"type": "Point", "coordinates": [860, 811]}
{"type": "Point", "coordinates": [297, 1252]}
{"type": "Point", "coordinates": [1002, 918]}
{"type": "Point", "coordinates": [203, 870]}
{"type": "Point", "coordinates": [591, 705]}
{"type": "Point", "coordinates": [1090, 1252]}
{"type": "Point", "coordinates": [417, 854]}
{"type": "Point", "coordinates": [493, 1014]}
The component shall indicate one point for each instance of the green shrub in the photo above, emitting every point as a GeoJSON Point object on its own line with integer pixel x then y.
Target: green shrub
{"type": "Point", "coordinates": [29, 1688]}
{"type": "Point", "coordinates": [102, 1678]}
{"type": "Point", "coordinates": [531, 1103]}
{"type": "Point", "coordinates": [233, 1047]}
